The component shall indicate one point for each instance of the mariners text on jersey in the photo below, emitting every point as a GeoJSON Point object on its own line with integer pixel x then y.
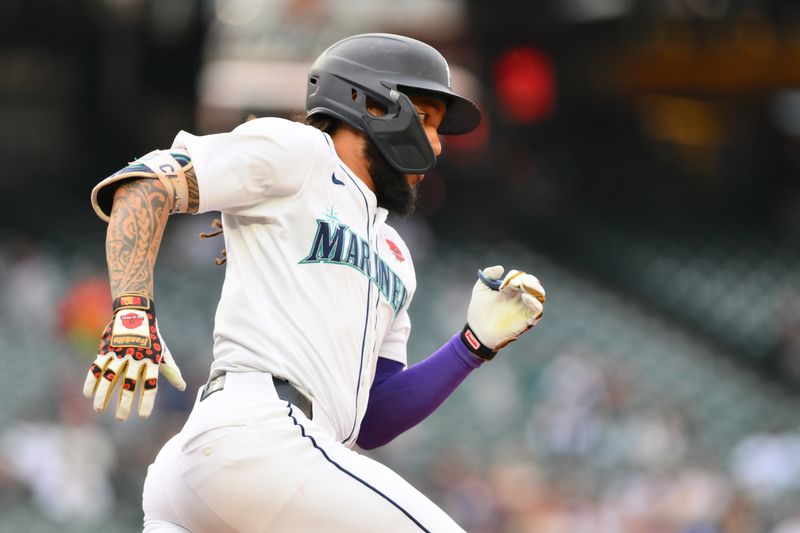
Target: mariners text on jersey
{"type": "Point", "coordinates": [337, 243]}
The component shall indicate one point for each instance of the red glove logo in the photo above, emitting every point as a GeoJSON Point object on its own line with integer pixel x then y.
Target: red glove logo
{"type": "Point", "coordinates": [131, 320]}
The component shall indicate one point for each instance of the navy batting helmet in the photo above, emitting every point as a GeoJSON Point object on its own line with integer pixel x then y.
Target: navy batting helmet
{"type": "Point", "coordinates": [387, 68]}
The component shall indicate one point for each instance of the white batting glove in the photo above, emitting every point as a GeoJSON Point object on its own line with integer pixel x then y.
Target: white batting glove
{"type": "Point", "coordinates": [131, 352]}
{"type": "Point", "coordinates": [501, 309]}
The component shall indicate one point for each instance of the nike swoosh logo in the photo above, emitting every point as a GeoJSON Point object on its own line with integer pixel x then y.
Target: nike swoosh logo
{"type": "Point", "coordinates": [335, 180]}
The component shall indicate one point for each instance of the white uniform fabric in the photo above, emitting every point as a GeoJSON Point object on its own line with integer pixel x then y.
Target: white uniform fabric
{"type": "Point", "coordinates": [297, 224]}
{"type": "Point", "coordinates": [247, 461]}
{"type": "Point", "coordinates": [317, 286]}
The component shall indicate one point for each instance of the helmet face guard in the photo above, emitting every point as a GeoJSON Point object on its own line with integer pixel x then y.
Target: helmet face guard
{"type": "Point", "coordinates": [387, 69]}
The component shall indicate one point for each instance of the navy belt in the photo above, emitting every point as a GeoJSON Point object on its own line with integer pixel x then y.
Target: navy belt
{"type": "Point", "coordinates": [286, 391]}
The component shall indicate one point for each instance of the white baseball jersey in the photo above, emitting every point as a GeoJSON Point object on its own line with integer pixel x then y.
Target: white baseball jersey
{"type": "Point", "coordinates": [317, 284]}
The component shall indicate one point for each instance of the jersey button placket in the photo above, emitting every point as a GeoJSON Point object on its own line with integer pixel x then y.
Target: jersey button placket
{"type": "Point", "coordinates": [365, 377]}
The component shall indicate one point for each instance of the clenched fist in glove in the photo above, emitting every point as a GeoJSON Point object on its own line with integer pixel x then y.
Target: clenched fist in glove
{"type": "Point", "coordinates": [132, 352]}
{"type": "Point", "coordinates": [501, 309]}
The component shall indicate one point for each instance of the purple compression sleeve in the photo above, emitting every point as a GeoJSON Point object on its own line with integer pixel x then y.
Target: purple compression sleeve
{"type": "Point", "coordinates": [400, 399]}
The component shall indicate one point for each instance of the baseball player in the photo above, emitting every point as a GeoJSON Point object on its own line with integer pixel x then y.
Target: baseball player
{"type": "Point", "coordinates": [311, 328]}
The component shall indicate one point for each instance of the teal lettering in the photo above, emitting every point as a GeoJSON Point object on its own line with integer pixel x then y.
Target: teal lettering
{"type": "Point", "coordinates": [354, 252]}
{"type": "Point", "coordinates": [328, 244]}
{"type": "Point", "coordinates": [365, 263]}
{"type": "Point", "coordinates": [337, 243]}
{"type": "Point", "coordinates": [382, 276]}
{"type": "Point", "coordinates": [399, 292]}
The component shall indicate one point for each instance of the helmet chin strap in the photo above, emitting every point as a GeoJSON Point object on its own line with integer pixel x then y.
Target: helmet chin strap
{"type": "Point", "coordinates": [401, 138]}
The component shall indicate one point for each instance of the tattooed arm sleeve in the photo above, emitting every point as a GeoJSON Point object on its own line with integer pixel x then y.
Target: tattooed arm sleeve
{"type": "Point", "coordinates": [138, 217]}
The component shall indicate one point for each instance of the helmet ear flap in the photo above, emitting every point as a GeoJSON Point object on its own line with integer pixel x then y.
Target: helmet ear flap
{"type": "Point", "coordinates": [401, 138]}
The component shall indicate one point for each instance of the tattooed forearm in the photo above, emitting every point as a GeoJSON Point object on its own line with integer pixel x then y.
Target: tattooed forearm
{"type": "Point", "coordinates": [194, 194]}
{"type": "Point", "coordinates": [137, 224]}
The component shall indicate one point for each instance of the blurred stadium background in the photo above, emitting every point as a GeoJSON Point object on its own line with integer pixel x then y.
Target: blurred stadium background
{"type": "Point", "coordinates": [640, 156]}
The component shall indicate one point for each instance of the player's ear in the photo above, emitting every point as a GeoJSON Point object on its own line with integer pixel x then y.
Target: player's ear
{"type": "Point", "coordinates": [375, 108]}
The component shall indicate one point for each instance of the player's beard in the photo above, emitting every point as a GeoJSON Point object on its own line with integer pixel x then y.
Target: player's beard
{"type": "Point", "coordinates": [392, 189]}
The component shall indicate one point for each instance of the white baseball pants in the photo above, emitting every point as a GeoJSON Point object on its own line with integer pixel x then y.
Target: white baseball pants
{"type": "Point", "coordinates": [247, 461]}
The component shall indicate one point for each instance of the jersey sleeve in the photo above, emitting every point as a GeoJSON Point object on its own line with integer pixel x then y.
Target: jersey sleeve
{"type": "Point", "coordinates": [260, 159]}
{"type": "Point", "coordinates": [395, 342]}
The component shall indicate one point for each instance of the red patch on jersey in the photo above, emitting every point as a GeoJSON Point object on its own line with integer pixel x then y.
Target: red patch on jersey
{"type": "Point", "coordinates": [131, 320]}
{"type": "Point", "coordinates": [395, 250]}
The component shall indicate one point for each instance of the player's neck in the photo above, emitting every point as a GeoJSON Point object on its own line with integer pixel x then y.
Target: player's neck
{"type": "Point", "coordinates": [349, 144]}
